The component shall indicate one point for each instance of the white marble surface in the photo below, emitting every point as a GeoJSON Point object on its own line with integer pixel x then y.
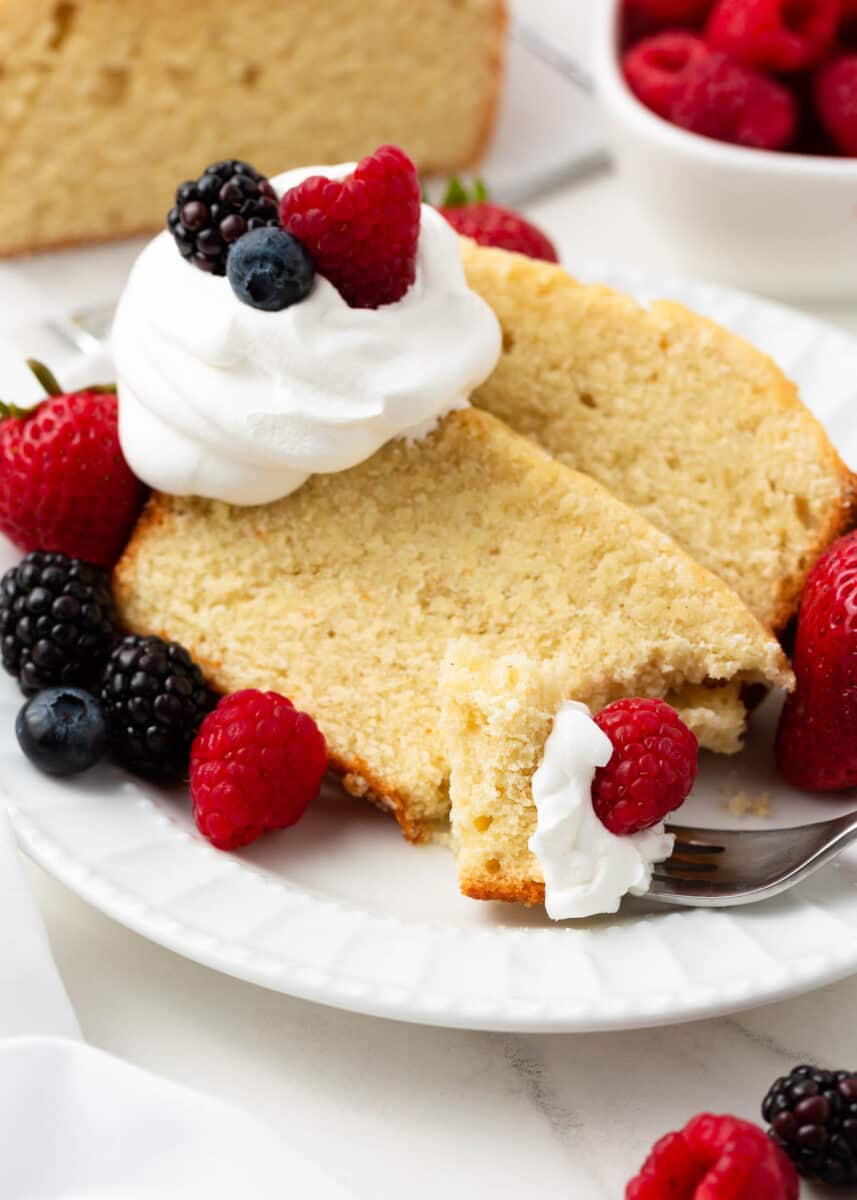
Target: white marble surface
{"type": "Point", "coordinates": [395, 1110]}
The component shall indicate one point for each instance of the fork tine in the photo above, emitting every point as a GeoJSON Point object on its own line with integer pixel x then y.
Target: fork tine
{"type": "Point", "coordinates": [689, 866]}
{"type": "Point", "coordinates": [718, 868]}
{"type": "Point", "coordinates": [683, 847]}
{"type": "Point", "coordinates": [706, 839]}
{"type": "Point", "coordinates": [701, 885]}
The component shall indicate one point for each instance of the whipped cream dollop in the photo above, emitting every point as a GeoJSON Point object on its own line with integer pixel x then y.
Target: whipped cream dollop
{"type": "Point", "coordinates": [587, 869]}
{"type": "Point", "coordinates": [223, 400]}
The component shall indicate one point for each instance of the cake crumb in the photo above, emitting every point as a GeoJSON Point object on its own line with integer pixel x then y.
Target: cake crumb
{"type": "Point", "coordinates": [741, 804]}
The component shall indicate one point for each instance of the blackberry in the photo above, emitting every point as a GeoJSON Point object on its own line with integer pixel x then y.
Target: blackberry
{"type": "Point", "coordinates": [212, 212]}
{"type": "Point", "coordinates": [155, 699]}
{"type": "Point", "coordinates": [813, 1116]}
{"type": "Point", "coordinates": [57, 621]}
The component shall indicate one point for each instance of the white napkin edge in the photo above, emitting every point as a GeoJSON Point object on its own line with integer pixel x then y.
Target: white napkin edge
{"type": "Point", "coordinates": [75, 1093]}
{"type": "Point", "coordinates": [33, 999]}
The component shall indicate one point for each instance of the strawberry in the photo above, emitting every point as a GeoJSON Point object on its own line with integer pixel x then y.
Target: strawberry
{"type": "Point", "coordinates": [362, 233]}
{"type": "Point", "coordinates": [64, 482]}
{"type": "Point", "coordinates": [489, 224]}
{"type": "Point", "coordinates": [817, 736]}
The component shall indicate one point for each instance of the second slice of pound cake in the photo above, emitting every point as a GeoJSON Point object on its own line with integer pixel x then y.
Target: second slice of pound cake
{"type": "Point", "coordinates": [678, 417]}
{"type": "Point", "coordinates": [345, 594]}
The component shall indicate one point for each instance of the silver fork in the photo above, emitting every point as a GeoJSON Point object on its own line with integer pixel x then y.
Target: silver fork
{"type": "Point", "coordinates": [715, 868]}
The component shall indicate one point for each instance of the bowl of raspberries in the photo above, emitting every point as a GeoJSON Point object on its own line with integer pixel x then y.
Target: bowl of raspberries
{"type": "Point", "coordinates": [735, 124]}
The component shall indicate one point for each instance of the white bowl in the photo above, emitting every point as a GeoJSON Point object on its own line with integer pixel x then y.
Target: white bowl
{"type": "Point", "coordinates": [785, 224]}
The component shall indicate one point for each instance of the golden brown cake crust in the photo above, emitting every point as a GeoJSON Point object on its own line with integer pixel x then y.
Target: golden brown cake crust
{"type": "Point", "coordinates": [125, 82]}
{"type": "Point", "coordinates": [355, 775]}
{"type": "Point", "coordinates": [57, 245]}
{"type": "Point", "coordinates": [489, 121]}
{"type": "Point", "coordinates": [629, 394]}
{"type": "Point", "coordinates": [514, 891]}
{"type": "Point", "coordinates": [842, 518]}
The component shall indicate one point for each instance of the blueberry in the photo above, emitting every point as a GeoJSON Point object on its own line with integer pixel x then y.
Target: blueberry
{"type": "Point", "coordinates": [269, 269]}
{"type": "Point", "coordinates": [62, 730]}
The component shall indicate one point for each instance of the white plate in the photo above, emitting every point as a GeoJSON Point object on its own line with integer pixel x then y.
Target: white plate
{"type": "Point", "coordinates": [340, 910]}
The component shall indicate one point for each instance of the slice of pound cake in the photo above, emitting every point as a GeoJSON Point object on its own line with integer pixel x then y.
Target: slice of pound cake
{"type": "Point", "coordinates": [345, 594]}
{"type": "Point", "coordinates": [691, 425]}
{"type": "Point", "coordinates": [114, 103]}
{"type": "Point", "coordinates": [496, 715]}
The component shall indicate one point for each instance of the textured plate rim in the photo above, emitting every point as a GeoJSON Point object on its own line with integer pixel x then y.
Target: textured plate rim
{"type": "Point", "coordinates": [693, 1002]}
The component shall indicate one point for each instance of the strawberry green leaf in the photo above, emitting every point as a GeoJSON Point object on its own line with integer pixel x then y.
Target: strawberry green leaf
{"type": "Point", "coordinates": [45, 377]}
{"type": "Point", "coordinates": [456, 194]}
{"type": "Point", "coordinates": [12, 410]}
{"type": "Point", "coordinates": [459, 194]}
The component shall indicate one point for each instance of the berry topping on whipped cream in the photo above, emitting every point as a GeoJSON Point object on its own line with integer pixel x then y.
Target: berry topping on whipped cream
{"type": "Point", "coordinates": [269, 269]}
{"type": "Point", "coordinates": [212, 212]}
{"type": "Point", "coordinates": [221, 399]}
{"type": "Point", "coordinates": [362, 231]}
{"type": "Point", "coordinates": [587, 869]}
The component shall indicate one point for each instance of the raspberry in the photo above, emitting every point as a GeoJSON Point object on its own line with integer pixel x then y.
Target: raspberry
{"type": "Point", "coordinates": [719, 99]}
{"type": "Point", "coordinates": [255, 765]}
{"type": "Point", "coordinates": [835, 91]}
{"type": "Point", "coordinates": [362, 233]}
{"type": "Point", "coordinates": [817, 736]}
{"type": "Point", "coordinates": [210, 213]}
{"type": "Point", "coordinates": [672, 12]}
{"type": "Point", "coordinates": [773, 35]}
{"type": "Point", "coordinates": [848, 23]}
{"type": "Point", "coordinates": [473, 215]}
{"type": "Point", "coordinates": [643, 17]}
{"type": "Point", "coordinates": [64, 482]}
{"type": "Point", "coordinates": [652, 769]}
{"type": "Point", "coordinates": [715, 1158]}
{"type": "Point", "coordinates": [155, 698]}
{"type": "Point", "coordinates": [655, 65]}
{"type": "Point", "coordinates": [57, 621]}
{"type": "Point", "coordinates": [813, 1116]}
{"type": "Point", "coordinates": [671, 1172]}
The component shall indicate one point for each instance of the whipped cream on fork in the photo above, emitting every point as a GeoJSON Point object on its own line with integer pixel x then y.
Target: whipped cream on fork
{"type": "Point", "coordinates": [587, 869]}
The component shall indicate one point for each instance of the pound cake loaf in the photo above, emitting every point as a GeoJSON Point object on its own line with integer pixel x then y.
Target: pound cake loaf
{"type": "Point", "coordinates": [107, 104]}
{"type": "Point", "coordinates": [686, 422]}
{"type": "Point", "coordinates": [345, 594]}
